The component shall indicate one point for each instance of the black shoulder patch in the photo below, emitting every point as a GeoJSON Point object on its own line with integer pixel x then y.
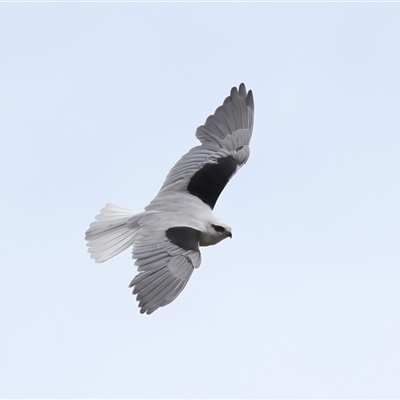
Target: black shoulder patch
{"type": "Point", "coordinates": [208, 182]}
{"type": "Point", "coordinates": [185, 237]}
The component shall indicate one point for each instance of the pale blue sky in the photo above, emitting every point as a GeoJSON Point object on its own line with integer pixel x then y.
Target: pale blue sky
{"type": "Point", "coordinates": [98, 101]}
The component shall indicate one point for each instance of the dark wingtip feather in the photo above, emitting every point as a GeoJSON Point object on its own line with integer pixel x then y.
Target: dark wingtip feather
{"type": "Point", "coordinates": [250, 100]}
{"type": "Point", "coordinates": [234, 92]}
{"type": "Point", "coordinates": [242, 89]}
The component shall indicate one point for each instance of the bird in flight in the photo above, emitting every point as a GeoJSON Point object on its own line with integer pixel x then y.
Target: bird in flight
{"type": "Point", "coordinates": [166, 236]}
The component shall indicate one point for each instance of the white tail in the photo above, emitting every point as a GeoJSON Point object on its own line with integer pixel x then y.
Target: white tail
{"type": "Point", "coordinates": [113, 231]}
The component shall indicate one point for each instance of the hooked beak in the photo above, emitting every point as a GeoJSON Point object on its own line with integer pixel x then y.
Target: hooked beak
{"type": "Point", "coordinates": [229, 234]}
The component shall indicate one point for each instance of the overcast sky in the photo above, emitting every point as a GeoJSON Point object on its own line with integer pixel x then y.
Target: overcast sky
{"type": "Point", "coordinates": [98, 101]}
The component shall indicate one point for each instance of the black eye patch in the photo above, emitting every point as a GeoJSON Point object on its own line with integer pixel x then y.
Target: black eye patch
{"type": "Point", "coordinates": [219, 228]}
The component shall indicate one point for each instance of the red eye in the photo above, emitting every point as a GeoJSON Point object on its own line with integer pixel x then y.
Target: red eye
{"type": "Point", "coordinates": [219, 228]}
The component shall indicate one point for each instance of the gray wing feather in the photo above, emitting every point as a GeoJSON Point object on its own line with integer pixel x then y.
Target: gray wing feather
{"type": "Point", "coordinates": [164, 270]}
{"type": "Point", "coordinates": [226, 132]}
{"type": "Point", "coordinates": [237, 112]}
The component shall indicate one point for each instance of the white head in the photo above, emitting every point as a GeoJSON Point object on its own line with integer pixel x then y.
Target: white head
{"type": "Point", "coordinates": [215, 232]}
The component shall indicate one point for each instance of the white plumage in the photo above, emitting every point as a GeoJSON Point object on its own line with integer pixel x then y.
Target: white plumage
{"type": "Point", "coordinates": [167, 235]}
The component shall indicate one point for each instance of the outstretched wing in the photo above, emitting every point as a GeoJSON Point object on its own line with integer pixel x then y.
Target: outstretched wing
{"type": "Point", "coordinates": [165, 260]}
{"type": "Point", "coordinates": [205, 170]}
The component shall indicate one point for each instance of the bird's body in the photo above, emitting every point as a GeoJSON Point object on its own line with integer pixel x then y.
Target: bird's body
{"type": "Point", "coordinates": [166, 236]}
